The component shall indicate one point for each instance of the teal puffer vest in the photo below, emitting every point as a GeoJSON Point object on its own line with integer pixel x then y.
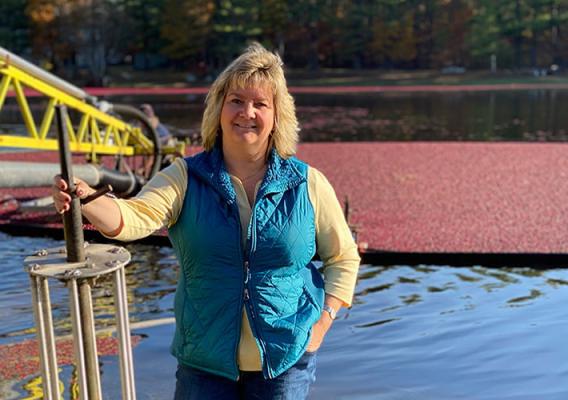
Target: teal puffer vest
{"type": "Point", "coordinates": [272, 277]}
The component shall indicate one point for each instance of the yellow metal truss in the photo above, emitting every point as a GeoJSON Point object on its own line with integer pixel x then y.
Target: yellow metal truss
{"type": "Point", "coordinates": [97, 133]}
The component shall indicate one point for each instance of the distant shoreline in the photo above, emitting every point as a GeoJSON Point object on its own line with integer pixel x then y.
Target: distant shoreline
{"type": "Point", "coordinates": [172, 91]}
{"type": "Point", "coordinates": [120, 76]}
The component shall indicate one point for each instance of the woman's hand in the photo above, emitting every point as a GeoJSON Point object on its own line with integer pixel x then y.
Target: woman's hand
{"type": "Point", "coordinates": [319, 329]}
{"type": "Point", "coordinates": [102, 212]}
{"type": "Point", "coordinates": [62, 199]}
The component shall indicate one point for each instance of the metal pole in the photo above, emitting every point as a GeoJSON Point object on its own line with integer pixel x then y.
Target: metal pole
{"type": "Point", "coordinates": [16, 174]}
{"type": "Point", "coordinates": [121, 345]}
{"type": "Point", "coordinates": [77, 338]}
{"type": "Point", "coordinates": [130, 372]}
{"type": "Point", "coordinates": [72, 220]}
{"type": "Point", "coordinates": [89, 341]}
{"type": "Point", "coordinates": [49, 336]}
{"type": "Point", "coordinates": [125, 346]}
{"type": "Point", "coordinates": [43, 75]}
{"type": "Point", "coordinates": [38, 315]}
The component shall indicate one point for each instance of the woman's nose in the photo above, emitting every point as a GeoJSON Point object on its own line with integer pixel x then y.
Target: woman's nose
{"type": "Point", "coordinates": [248, 110]}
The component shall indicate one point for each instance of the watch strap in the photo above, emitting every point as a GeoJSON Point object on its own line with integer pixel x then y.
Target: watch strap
{"type": "Point", "coordinates": [330, 310]}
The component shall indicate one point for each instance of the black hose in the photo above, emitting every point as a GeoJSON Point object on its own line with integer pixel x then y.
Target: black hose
{"type": "Point", "coordinates": [129, 112]}
{"type": "Point", "coordinates": [123, 184]}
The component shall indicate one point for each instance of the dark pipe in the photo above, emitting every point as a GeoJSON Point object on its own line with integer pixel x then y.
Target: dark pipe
{"type": "Point", "coordinates": [129, 112]}
{"type": "Point", "coordinates": [72, 220]}
{"type": "Point", "coordinates": [15, 174]}
{"type": "Point", "coordinates": [123, 184]}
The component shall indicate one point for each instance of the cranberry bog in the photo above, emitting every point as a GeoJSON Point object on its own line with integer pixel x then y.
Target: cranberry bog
{"type": "Point", "coordinates": [413, 202]}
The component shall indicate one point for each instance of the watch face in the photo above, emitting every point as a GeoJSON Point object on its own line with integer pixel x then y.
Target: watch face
{"type": "Point", "coordinates": [331, 311]}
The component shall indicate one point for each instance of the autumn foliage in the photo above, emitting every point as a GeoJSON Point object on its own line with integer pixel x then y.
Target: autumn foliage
{"type": "Point", "coordinates": [424, 34]}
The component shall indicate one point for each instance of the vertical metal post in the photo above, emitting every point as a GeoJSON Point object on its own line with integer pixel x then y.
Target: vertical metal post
{"type": "Point", "coordinates": [77, 338]}
{"type": "Point", "coordinates": [74, 241]}
{"type": "Point", "coordinates": [43, 286]}
{"type": "Point", "coordinates": [89, 341]}
{"type": "Point", "coordinates": [125, 346]}
{"type": "Point", "coordinates": [72, 220]}
{"type": "Point", "coordinates": [41, 335]}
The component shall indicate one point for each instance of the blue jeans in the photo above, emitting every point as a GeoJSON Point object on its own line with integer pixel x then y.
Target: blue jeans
{"type": "Point", "coordinates": [294, 384]}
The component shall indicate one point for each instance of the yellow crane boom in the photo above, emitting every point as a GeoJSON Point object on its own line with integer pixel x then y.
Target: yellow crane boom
{"type": "Point", "coordinates": [97, 129]}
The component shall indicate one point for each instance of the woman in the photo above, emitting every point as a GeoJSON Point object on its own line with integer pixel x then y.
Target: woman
{"type": "Point", "coordinates": [245, 218]}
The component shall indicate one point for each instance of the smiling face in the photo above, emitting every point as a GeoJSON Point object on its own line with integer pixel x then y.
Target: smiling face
{"type": "Point", "coordinates": [247, 118]}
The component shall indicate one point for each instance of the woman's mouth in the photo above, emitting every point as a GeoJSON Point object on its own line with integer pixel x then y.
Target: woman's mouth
{"type": "Point", "coordinates": [244, 126]}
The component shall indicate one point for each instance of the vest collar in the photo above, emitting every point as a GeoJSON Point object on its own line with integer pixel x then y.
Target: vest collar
{"type": "Point", "coordinates": [281, 174]}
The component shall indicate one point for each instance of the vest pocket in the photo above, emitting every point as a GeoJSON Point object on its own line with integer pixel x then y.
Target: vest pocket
{"type": "Point", "coordinates": [314, 287]}
{"type": "Point", "coordinates": [315, 303]}
{"type": "Point", "coordinates": [179, 340]}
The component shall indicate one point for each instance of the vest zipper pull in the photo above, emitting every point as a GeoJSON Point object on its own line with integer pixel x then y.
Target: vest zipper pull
{"type": "Point", "coordinates": [247, 272]}
{"type": "Point", "coordinates": [247, 303]}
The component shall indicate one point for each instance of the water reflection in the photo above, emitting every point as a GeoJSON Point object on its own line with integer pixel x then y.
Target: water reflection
{"type": "Point", "coordinates": [428, 281]}
{"type": "Point", "coordinates": [531, 115]}
{"type": "Point", "coordinates": [470, 116]}
{"type": "Point", "coordinates": [413, 332]}
{"type": "Point", "coordinates": [442, 332]}
{"type": "Point", "coordinates": [501, 275]}
{"type": "Point", "coordinates": [534, 115]}
{"type": "Point", "coordinates": [151, 277]}
{"type": "Point", "coordinates": [533, 295]}
{"type": "Point", "coordinates": [557, 282]}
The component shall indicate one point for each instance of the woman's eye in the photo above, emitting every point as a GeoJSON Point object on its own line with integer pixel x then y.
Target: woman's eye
{"type": "Point", "coordinates": [260, 105]}
{"type": "Point", "coordinates": [236, 101]}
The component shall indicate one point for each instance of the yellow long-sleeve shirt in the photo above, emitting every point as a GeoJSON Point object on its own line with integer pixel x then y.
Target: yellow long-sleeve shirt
{"type": "Point", "coordinates": [159, 205]}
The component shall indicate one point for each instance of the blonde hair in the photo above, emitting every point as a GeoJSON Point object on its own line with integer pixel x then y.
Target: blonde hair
{"type": "Point", "coordinates": [255, 67]}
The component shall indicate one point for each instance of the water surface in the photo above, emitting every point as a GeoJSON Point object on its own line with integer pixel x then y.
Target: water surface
{"type": "Point", "coordinates": [423, 332]}
{"type": "Point", "coordinates": [520, 115]}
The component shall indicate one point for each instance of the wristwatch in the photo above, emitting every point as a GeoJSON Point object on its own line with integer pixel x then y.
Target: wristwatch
{"type": "Point", "coordinates": [331, 311]}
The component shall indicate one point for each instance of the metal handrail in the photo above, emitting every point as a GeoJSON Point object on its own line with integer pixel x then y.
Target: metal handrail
{"type": "Point", "coordinates": [47, 77]}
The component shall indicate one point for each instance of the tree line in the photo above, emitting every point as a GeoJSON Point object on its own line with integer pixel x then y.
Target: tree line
{"type": "Point", "coordinates": [204, 35]}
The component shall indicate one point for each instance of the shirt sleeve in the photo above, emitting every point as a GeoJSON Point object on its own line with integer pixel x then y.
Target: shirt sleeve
{"type": "Point", "coordinates": [336, 247]}
{"type": "Point", "coordinates": [157, 205]}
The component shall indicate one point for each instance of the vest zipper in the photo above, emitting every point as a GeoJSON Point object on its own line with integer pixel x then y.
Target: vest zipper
{"type": "Point", "coordinates": [251, 245]}
{"type": "Point", "coordinates": [246, 303]}
{"type": "Point", "coordinates": [242, 304]}
{"type": "Point", "coordinates": [252, 313]}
